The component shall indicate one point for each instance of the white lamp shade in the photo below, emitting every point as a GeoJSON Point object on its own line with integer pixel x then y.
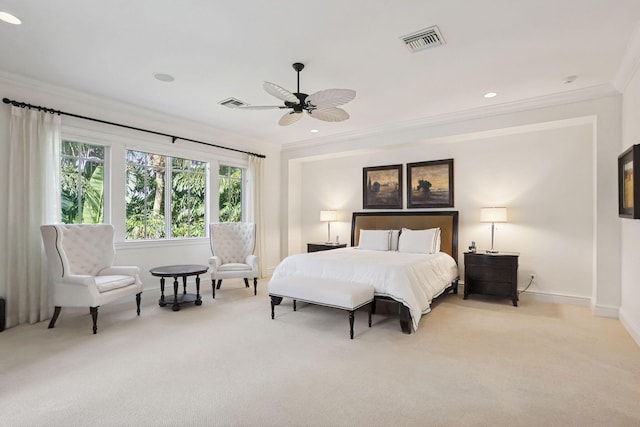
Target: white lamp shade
{"type": "Point", "coordinates": [328, 215]}
{"type": "Point", "coordinates": [493, 215]}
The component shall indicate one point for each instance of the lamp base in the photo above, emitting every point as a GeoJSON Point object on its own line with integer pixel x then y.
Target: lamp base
{"type": "Point", "coordinates": [492, 251]}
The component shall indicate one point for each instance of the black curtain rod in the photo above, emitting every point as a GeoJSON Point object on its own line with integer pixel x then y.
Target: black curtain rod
{"type": "Point", "coordinates": [173, 137]}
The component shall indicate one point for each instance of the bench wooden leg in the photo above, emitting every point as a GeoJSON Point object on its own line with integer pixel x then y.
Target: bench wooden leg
{"type": "Point", "coordinates": [370, 311]}
{"type": "Point", "coordinates": [274, 301]}
{"type": "Point", "coordinates": [351, 323]}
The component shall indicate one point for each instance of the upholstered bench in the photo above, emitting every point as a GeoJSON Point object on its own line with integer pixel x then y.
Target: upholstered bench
{"type": "Point", "coordinates": [329, 293]}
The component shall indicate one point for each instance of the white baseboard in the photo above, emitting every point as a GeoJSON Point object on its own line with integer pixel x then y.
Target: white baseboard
{"type": "Point", "coordinates": [606, 311]}
{"type": "Point", "coordinates": [634, 330]}
{"type": "Point", "coordinates": [557, 298]}
{"type": "Point", "coordinates": [549, 297]}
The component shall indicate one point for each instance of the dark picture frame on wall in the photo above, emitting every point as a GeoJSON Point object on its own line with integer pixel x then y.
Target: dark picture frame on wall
{"type": "Point", "coordinates": [382, 187]}
{"type": "Point", "coordinates": [430, 184]}
{"type": "Point", "coordinates": [629, 183]}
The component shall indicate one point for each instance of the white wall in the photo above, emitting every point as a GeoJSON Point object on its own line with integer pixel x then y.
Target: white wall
{"type": "Point", "coordinates": [144, 254]}
{"type": "Point", "coordinates": [544, 178]}
{"type": "Point", "coordinates": [630, 308]}
{"type": "Point", "coordinates": [551, 165]}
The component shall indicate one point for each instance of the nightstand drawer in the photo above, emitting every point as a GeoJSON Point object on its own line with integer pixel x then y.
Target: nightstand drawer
{"type": "Point", "coordinates": [497, 274]}
{"type": "Point", "coordinates": [490, 261]}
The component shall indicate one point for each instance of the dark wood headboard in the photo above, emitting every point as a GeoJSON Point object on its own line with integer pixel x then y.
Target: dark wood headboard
{"type": "Point", "coordinates": [447, 221]}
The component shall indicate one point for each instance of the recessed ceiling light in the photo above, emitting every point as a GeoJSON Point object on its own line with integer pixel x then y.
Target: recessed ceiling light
{"type": "Point", "coordinates": [570, 79]}
{"type": "Point", "coordinates": [9, 18]}
{"type": "Point", "coordinates": [163, 77]}
{"type": "Point", "coordinates": [314, 131]}
{"type": "Point", "coordinates": [490, 94]}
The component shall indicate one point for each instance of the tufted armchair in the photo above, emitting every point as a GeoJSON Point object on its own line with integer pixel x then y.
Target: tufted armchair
{"type": "Point", "coordinates": [79, 260]}
{"type": "Point", "coordinates": [232, 245]}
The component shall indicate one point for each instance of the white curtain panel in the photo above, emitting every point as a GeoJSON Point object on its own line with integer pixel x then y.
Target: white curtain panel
{"type": "Point", "coordinates": [255, 212]}
{"type": "Point", "coordinates": [34, 199]}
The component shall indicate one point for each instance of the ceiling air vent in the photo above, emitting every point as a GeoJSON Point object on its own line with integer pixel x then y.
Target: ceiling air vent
{"type": "Point", "coordinates": [232, 103]}
{"type": "Point", "coordinates": [423, 39]}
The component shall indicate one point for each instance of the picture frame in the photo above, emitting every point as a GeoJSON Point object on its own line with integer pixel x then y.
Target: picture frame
{"type": "Point", "coordinates": [430, 184]}
{"type": "Point", "coordinates": [629, 183]}
{"type": "Point", "coordinates": [382, 187]}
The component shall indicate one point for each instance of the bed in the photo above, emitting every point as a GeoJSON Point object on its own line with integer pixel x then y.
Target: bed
{"type": "Point", "coordinates": [410, 280]}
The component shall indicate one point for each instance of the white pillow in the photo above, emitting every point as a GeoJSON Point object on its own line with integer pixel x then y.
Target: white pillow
{"type": "Point", "coordinates": [375, 240]}
{"type": "Point", "coordinates": [419, 241]}
{"type": "Point", "coordinates": [393, 245]}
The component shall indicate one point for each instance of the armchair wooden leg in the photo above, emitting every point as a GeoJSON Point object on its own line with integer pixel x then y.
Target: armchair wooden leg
{"type": "Point", "coordinates": [56, 313]}
{"type": "Point", "coordinates": [219, 283]}
{"type": "Point", "coordinates": [138, 298]}
{"type": "Point", "coordinates": [94, 315]}
{"type": "Point", "coordinates": [255, 286]}
{"type": "Point", "coordinates": [246, 282]}
{"type": "Point", "coordinates": [213, 288]}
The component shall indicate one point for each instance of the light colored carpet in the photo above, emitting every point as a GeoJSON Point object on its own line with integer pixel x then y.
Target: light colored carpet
{"type": "Point", "coordinates": [476, 362]}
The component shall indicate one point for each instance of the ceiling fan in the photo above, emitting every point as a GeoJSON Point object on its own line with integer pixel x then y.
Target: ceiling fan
{"type": "Point", "coordinates": [321, 105]}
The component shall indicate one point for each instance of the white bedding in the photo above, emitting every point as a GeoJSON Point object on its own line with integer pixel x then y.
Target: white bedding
{"type": "Point", "coordinates": [412, 279]}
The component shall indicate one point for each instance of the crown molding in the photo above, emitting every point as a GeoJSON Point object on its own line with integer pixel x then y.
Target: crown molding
{"type": "Point", "coordinates": [25, 89]}
{"type": "Point", "coordinates": [630, 62]}
{"type": "Point", "coordinates": [568, 97]}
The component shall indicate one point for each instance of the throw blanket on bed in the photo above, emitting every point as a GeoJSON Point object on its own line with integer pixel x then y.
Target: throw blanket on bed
{"type": "Point", "coordinates": [411, 279]}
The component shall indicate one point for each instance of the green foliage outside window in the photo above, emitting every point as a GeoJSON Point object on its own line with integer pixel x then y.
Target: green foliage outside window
{"type": "Point", "coordinates": [82, 183]}
{"type": "Point", "coordinates": [146, 196]}
{"type": "Point", "coordinates": [188, 186]}
{"type": "Point", "coordinates": [230, 194]}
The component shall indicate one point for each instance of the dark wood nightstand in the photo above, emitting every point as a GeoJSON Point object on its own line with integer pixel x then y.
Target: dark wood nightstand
{"type": "Point", "coordinates": [315, 247]}
{"type": "Point", "coordinates": [491, 274]}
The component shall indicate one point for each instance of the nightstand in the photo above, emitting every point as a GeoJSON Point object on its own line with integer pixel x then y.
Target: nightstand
{"type": "Point", "coordinates": [315, 247]}
{"type": "Point", "coordinates": [491, 274]}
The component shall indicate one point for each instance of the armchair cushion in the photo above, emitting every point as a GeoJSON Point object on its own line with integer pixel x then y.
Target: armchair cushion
{"type": "Point", "coordinates": [109, 283]}
{"type": "Point", "coordinates": [234, 266]}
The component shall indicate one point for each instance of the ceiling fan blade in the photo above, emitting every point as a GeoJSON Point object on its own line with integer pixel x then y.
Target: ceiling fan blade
{"type": "Point", "coordinates": [279, 92]}
{"type": "Point", "coordinates": [330, 114]}
{"type": "Point", "coordinates": [261, 107]}
{"type": "Point", "coordinates": [331, 98]}
{"type": "Point", "coordinates": [290, 118]}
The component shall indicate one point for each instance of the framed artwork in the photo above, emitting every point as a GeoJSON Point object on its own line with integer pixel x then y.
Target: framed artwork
{"type": "Point", "coordinates": [430, 184]}
{"type": "Point", "coordinates": [629, 183]}
{"type": "Point", "coordinates": [382, 187]}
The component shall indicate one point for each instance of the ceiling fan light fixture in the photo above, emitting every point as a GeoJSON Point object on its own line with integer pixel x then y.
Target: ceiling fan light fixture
{"type": "Point", "coordinates": [320, 105]}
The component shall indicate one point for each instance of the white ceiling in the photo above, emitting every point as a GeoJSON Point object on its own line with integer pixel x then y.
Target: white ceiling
{"type": "Point", "coordinates": [520, 49]}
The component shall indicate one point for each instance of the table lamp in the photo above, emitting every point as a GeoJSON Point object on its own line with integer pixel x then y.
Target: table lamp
{"type": "Point", "coordinates": [493, 215]}
{"type": "Point", "coordinates": [328, 216]}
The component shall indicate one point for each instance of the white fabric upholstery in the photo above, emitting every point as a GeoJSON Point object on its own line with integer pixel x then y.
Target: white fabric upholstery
{"type": "Point", "coordinates": [332, 293]}
{"type": "Point", "coordinates": [232, 245]}
{"type": "Point", "coordinates": [79, 261]}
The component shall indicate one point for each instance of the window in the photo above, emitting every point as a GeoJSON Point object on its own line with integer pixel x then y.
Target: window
{"type": "Point", "coordinates": [188, 193]}
{"type": "Point", "coordinates": [82, 183]}
{"type": "Point", "coordinates": [160, 187]}
{"type": "Point", "coordinates": [230, 192]}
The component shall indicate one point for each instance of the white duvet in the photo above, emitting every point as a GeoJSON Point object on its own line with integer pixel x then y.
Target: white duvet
{"type": "Point", "coordinates": [411, 279]}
